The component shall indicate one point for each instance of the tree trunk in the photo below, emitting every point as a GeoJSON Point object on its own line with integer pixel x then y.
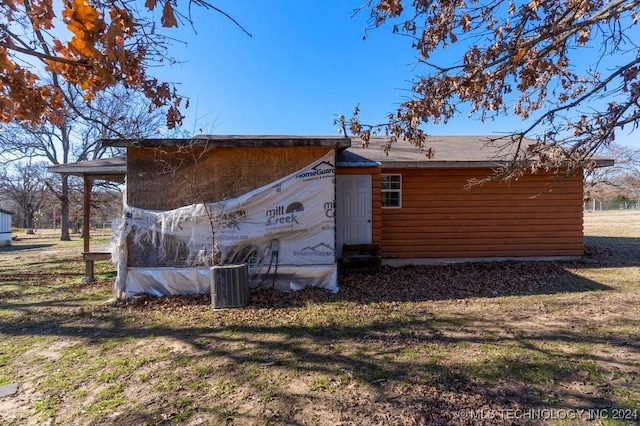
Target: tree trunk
{"type": "Point", "coordinates": [25, 212]}
{"type": "Point", "coordinates": [30, 214]}
{"type": "Point", "coordinates": [64, 210]}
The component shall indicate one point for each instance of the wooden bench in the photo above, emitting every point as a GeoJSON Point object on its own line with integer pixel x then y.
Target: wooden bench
{"type": "Point", "coordinates": [89, 257]}
{"type": "Point", "coordinates": [96, 255]}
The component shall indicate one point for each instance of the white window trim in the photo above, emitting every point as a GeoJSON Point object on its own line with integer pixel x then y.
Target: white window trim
{"type": "Point", "coordinates": [399, 191]}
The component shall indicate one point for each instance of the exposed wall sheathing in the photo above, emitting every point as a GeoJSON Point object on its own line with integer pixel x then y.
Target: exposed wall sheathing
{"type": "Point", "coordinates": [535, 216]}
{"type": "Point", "coordinates": [283, 231]}
{"type": "Point", "coordinates": [166, 178]}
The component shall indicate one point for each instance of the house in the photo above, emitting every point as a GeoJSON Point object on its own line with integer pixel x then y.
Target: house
{"type": "Point", "coordinates": [288, 205]}
{"type": "Point", "coordinates": [423, 211]}
{"type": "Point", "coordinates": [5, 227]}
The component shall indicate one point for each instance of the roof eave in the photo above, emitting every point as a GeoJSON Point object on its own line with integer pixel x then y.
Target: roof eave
{"type": "Point", "coordinates": [441, 164]}
{"type": "Point", "coordinates": [351, 164]}
{"type": "Point", "coordinates": [220, 141]}
{"type": "Point", "coordinates": [437, 164]}
{"type": "Point", "coordinates": [111, 171]}
{"type": "Point", "coordinates": [96, 169]}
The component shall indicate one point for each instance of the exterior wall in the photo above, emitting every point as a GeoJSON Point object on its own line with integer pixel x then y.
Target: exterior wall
{"type": "Point", "coordinates": [5, 229]}
{"type": "Point", "coordinates": [169, 177]}
{"type": "Point", "coordinates": [376, 212]}
{"type": "Point", "coordinates": [439, 219]}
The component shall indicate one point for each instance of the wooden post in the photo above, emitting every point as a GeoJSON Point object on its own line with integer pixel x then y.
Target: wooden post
{"type": "Point", "coordinates": [88, 263]}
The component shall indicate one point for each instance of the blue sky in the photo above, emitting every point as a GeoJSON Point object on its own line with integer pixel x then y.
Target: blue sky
{"type": "Point", "coordinates": [305, 64]}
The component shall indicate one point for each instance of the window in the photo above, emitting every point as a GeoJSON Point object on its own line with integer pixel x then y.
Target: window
{"type": "Point", "coordinates": [392, 191]}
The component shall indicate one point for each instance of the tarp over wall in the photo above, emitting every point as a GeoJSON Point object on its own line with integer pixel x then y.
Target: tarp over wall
{"type": "Point", "coordinates": [285, 231]}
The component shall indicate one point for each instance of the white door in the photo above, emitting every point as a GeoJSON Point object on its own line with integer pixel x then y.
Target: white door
{"type": "Point", "coordinates": [353, 210]}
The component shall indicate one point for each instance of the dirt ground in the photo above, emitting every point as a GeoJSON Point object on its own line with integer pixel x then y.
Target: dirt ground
{"type": "Point", "coordinates": [484, 343]}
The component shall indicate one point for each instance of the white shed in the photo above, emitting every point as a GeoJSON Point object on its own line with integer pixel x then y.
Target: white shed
{"type": "Point", "coordinates": [5, 227]}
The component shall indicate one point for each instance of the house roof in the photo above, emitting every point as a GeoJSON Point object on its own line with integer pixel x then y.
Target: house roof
{"type": "Point", "coordinates": [445, 151]}
{"type": "Point", "coordinates": [232, 141]}
{"type": "Point", "coordinates": [348, 158]}
{"type": "Point", "coordinates": [112, 169]}
{"type": "Point", "coordinates": [6, 211]}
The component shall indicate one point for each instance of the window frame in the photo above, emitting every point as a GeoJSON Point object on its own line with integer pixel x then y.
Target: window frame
{"type": "Point", "coordinates": [391, 190]}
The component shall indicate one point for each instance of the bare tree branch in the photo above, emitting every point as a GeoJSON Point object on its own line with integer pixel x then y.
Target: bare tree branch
{"type": "Point", "coordinates": [522, 59]}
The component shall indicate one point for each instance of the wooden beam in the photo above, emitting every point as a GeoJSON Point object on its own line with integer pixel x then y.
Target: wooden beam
{"type": "Point", "coordinates": [88, 269]}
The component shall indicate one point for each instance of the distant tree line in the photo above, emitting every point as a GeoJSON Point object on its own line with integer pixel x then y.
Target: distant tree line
{"type": "Point", "coordinates": [30, 191]}
{"type": "Point", "coordinates": [618, 185]}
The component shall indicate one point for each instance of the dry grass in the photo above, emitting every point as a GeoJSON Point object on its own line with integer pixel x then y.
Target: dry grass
{"type": "Point", "coordinates": [403, 346]}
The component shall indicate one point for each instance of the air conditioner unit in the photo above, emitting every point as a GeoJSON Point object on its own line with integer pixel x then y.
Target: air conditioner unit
{"type": "Point", "coordinates": [229, 286]}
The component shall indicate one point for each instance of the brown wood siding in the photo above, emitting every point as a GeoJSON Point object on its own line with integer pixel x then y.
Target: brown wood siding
{"type": "Point", "coordinates": [376, 199]}
{"type": "Point", "coordinates": [168, 177]}
{"type": "Point", "coordinates": [439, 218]}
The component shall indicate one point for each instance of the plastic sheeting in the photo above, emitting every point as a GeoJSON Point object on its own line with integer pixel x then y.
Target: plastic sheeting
{"type": "Point", "coordinates": [284, 231]}
{"type": "Point", "coordinates": [174, 281]}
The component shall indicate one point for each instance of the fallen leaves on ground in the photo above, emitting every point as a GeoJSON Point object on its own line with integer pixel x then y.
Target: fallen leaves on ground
{"type": "Point", "coordinates": [410, 283]}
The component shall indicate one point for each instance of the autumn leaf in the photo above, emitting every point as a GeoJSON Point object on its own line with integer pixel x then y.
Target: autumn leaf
{"type": "Point", "coordinates": [113, 41]}
{"type": "Point", "coordinates": [583, 36]}
{"type": "Point", "coordinates": [5, 64]}
{"type": "Point", "coordinates": [168, 18]}
{"type": "Point", "coordinates": [430, 153]}
{"type": "Point", "coordinates": [84, 48]}
{"type": "Point", "coordinates": [59, 47]}
{"type": "Point", "coordinates": [150, 4]}
{"type": "Point", "coordinates": [519, 55]}
{"type": "Point", "coordinates": [41, 14]}
{"type": "Point", "coordinates": [54, 66]}
{"type": "Point", "coordinates": [84, 16]}
{"type": "Point", "coordinates": [391, 7]}
{"type": "Point", "coordinates": [465, 22]}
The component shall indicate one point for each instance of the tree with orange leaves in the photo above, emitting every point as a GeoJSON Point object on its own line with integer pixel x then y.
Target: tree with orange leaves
{"type": "Point", "coordinates": [109, 43]}
{"type": "Point", "coordinates": [60, 91]}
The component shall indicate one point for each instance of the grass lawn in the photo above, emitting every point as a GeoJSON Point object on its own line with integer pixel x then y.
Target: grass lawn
{"type": "Point", "coordinates": [493, 343]}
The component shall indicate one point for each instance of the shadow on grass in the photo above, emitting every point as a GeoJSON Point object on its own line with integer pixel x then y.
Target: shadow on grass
{"type": "Point", "coordinates": [404, 363]}
{"type": "Point", "coordinates": [612, 251]}
{"type": "Point", "coordinates": [413, 361]}
{"type": "Point", "coordinates": [64, 261]}
{"type": "Point", "coordinates": [75, 302]}
{"type": "Point", "coordinates": [401, 363]}
{"type": "Point", "coordinates": [24, 278]}
{"type": "Point", "coordinates": [21, 247]}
